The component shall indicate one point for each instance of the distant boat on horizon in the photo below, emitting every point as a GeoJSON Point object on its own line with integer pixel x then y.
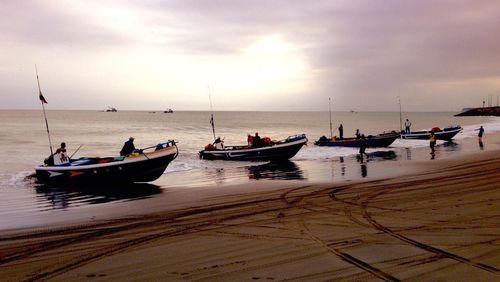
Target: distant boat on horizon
{"type": "Point", "coordinates": [169, 111]}
{"type": "Point", "coordinates": [111, 110]}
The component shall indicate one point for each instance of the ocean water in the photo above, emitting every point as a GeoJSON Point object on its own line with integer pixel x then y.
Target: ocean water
{"type": "Point", "coordinates": [24, 139]}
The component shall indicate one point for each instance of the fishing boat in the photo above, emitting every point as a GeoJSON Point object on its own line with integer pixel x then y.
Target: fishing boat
{"type": "Point", "coordinates": [446, 133]}
{"type": "Point", "coordinates": [143, 165]}
{"type": "Point", "coordinates": [380, 140]}
{"type": "Point", "coordinates": [275, 151]}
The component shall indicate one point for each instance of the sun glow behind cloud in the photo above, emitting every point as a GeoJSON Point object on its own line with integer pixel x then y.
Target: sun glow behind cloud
{"type": "Point", "coordinates": [148, 65]}
{"type": "Point", "coordinates": [278, 54]}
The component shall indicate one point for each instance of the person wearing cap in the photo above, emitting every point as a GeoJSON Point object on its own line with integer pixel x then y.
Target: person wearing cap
{"type": "Point", "coordinates": [128, 147]}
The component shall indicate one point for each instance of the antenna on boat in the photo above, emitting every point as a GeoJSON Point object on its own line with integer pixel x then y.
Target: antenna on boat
{"type": "Point", "coordinates": [212, 111]}
{"type": "Point", "coordinates": [330, 108]}
{"type": "Point", "coordinates": [43, 101]}
{"type": "Point", "coordinates": [400, 116]}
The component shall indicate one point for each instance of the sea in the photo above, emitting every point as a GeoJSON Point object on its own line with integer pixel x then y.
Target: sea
{"type": "Point", "coordinates": [23, 135]}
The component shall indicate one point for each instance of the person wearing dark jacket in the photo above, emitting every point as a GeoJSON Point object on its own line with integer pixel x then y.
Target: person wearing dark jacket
{"type": "Point", "coordinates": [257, 142]}
{"type": "Point", "coordinates": [362, 147]}
{"type": "Point", "coordinates": [128, 147]}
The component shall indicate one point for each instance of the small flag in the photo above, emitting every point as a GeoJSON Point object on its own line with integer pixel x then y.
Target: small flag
{"type": "Point", "coordinates": [42, 99]}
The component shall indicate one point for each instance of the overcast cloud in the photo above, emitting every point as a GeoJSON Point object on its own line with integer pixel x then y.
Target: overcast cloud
{"type": "Point", "coordinates": [255, 55]}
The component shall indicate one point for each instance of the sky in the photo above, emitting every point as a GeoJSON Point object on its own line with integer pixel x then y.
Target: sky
{"type": "Point", "coordinates": [439, 55]}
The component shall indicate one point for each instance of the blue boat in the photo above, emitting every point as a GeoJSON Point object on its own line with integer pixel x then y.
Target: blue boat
{"type": "Point", "coordinates": [144, 165]}
{"type": "Point", "coordinates": [441, 134]}
{"type": "Point", "coordinates": [380, 140]}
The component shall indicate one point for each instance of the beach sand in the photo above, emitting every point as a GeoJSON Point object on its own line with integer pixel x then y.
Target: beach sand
{"type": "Point", "coordinates": [436, 220]}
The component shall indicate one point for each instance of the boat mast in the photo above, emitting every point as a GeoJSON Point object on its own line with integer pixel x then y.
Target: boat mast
{"type": "Point", "coordinates": [212, 112]}
{"type": "Point", "coordinates": [330, 108]}
{"type": "Point", "coordinates": [43, 101]}
{"type": "Point", "coordinates": [400, 116]}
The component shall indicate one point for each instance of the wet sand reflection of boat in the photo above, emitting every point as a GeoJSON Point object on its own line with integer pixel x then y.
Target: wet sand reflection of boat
{"type": "Point", "coordinates": [279, 151]}
{"type": "Point", "coordinates": [144, 165]}
{"type": "Point", "coordinates": [67, 196]}
{"type": "Point", "coordinates": [380, 140]}
{"type": "Point", "coordinates": [286, 170]}
{"type": "Point", "coordinates": [441, 134]}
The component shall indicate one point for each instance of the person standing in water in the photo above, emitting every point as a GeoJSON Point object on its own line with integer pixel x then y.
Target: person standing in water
{"type": "Point", "coordinates": [480, 134]}
{"type": "Point", "coordinates": [432, 142]}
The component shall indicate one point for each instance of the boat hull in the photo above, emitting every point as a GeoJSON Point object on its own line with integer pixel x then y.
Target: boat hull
{"type": "Point", "coordinates": [279, 152]}
{"type": "Point", "coordinates": [382, 140]}
{"type": "Point", "coordinates": [140, 168]}
{"type": "Point", "coordinates": [445, 134]}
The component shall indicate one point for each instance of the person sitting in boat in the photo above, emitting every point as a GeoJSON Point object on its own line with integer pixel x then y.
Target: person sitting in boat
{"type": "Point", "coordinates": [257, 142]}
{"type": "Point", "coordinates": [357, 134]}
{"type": "Point", "coordinates": [218, 144]}
{"type": "Point", "coordinates": [250, 141]}
{"type": "Point", "coordinates": [60, 156]}
{"type": "Point", "coordinates": [128, 147]}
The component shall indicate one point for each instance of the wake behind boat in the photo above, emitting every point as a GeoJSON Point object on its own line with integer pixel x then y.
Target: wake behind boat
{"type": "Point", "coordinates": [380, 140]}
{"type": "Point", "coordinates": [441, 134]}
{"type": "Point", "coordinates": [274, 151]}
{"type": "Point", "coordinates": [144, 165]}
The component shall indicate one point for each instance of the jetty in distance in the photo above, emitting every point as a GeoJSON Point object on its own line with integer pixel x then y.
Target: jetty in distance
{"type": "Point", "coordinates": [483, 111]}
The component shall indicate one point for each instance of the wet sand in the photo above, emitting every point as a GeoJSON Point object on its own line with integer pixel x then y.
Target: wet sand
{"type": "Point", "coordinates": [434, 220]}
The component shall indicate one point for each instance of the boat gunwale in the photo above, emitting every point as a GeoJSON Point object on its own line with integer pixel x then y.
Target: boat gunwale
{"type": "Point", "coordinates": [128, 160]}
{"type": "Point", "coordinates": [296, 142]}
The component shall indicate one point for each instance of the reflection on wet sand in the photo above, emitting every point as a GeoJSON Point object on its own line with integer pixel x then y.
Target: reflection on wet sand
{"type": "Point", "coordinates": [364, 171]}
{"type": "Point", "coordinates": [451, 146]}
{"type": "Point", "coordinates": [287, 170]}
{"type": "Point", "coordinates": [71, 195]}
{"type": "Point", "coordinates": [382, 155]}
{"type": "Point", "coordinates": [342, 166]}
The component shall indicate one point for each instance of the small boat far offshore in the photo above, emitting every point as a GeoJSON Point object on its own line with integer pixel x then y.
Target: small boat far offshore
{"type": "Point", "coordinates": [278, 151]}
{"type": "Point", "coordinates": [380, 140]}
{"type": "Point", "coordinates": [144, 165]}
{"type": "Point", "coordinates": [446, 133]}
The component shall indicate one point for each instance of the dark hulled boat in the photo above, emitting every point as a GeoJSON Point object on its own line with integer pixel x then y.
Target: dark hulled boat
{"type": "Point", "coordinates": [441, 134]}
{"type": "Point", "coordinates": [144, 165]}
{"type": "Point", "coordinates": [278, 151]}
{"type": "Point", "coordinates": [380, 140]}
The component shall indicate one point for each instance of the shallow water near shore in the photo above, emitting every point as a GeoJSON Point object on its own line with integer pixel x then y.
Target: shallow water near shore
{"type": "Point", "coordinates": [102, 134]}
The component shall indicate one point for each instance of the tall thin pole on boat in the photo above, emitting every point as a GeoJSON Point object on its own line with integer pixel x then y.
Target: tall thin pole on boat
{"type": "Point", "coordinates": [330, 108]}
{"type": "Point", "coordinates": [400, 116]}
{"type": "Point", "coordinates": [212, 111]}
{"type": "Point", "coordinates": [43, 101]}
